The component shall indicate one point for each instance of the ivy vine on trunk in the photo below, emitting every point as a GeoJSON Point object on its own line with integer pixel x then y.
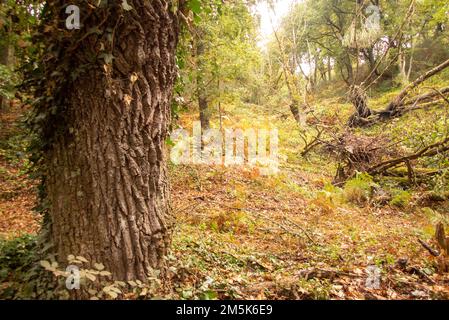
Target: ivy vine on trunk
{"type": "Point", "coordinates": [102, 117]}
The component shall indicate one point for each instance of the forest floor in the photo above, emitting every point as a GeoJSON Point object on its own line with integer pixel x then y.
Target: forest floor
{"type": "Point", "coordinates": [240, 234]}
{"type": "Point", "coordinates": [17, 190]}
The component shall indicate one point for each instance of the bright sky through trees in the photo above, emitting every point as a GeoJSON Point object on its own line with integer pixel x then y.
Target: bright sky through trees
{"type": "Point", "coordinates": [268, 16]}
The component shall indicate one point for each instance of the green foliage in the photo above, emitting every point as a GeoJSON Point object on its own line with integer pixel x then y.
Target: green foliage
{"type": "Point", "coordinates": [359, 189]}
{"type": "Point", "coordinates": [22, 277]}
{"type": "Point", "coordinates": [434, 217]}
{"type": "Point", "coordinates": [317, 289]}
{"type": "Point", "coordinates": [401, 199]}
{"type": "Point", "coordinates": [328, 198]}
{"type": "Point", "coordinates": [195, 6]}
{"type": "Point", "coordinates": [317, 30]}
{"type": "Point", "coordinates": [441, 181]}
{"type": "Point", "coordinates": [17, 257]}
{"type": "Point", "coordinates": [95, 282]}
{"type": "Point", "coordinates": [235, 222]}
{"type": "Point", "coordinates": [218, 58]}
{"type": "Point", "coordinates": [8, 81]}
{"type": "Point", "coordinates": [14, 149]}
{"type": "Point", "coordinates": [16, 20]}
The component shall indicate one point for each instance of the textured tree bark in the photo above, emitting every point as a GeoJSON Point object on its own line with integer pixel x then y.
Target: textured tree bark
{"type": "Point", "coordinates": [359, 99]}
{"type": "Point", "coordinates": [106, 178]}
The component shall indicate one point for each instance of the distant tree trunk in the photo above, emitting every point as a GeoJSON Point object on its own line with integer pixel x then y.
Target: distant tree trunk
{"type": "Point", "coordinates": [402, 64]}
{"type": "Point", "coordinates": [106, 176]}
{"type": "Point", "coordinates": [6, 58]}
{"type": "Point", "coordinates": [295, 112]}
{"type": "Point", "coordinates": [323, 73]}
{"type": "Point", "coordinates": [345, 62]}
{"type": "Point", "coordinates": [329, 69]}
{"type": "Point", "coordinates": [315, 69]}
{"type": "Point", "coordinates": [200, 85]}
{"type": "Point", "coordinates": [204, 112]}
{"type": "Point", "coordinates": [405, 72]}
{"type": "Point", "coordinates": [350, 71]}
{"type": "Point", "coordinates": [371, 60]}
{"type": "Point", "coordinates": [4, 53]}
{"type": "Point", "coordinates": [439, 30]}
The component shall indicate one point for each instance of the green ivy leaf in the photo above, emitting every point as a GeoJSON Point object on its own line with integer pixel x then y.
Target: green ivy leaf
{"type": "Point", "coordinates": [195, 6]}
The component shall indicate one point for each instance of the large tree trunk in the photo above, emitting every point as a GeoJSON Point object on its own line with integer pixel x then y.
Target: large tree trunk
{"type": "Point", "coordinates": [106, 178]}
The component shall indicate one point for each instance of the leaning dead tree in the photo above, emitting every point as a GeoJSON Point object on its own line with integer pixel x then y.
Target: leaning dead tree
{"type": "Point", "coordinates": [430, 97]}
{"type": "Point", "coordinates": [359, 99]}
{"type": "Point", "coordinates": [356, 153]}
{"type": "Point", "coordinates": [379, 156]}
{"type": "Point", "coordinates": [394, 105]}
{"type": "Point", "coordinates": [364, 116]}
{"type": "Point", "coordinates": [428, 151]}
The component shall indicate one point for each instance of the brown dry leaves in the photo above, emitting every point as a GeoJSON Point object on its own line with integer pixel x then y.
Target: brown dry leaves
{"type": "Point", "coordinates": [269, 255]}
{"type": "Point", "coordinates": [17, 191]}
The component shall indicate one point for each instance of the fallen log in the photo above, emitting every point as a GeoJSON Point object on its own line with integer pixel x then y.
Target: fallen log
{"type": "Point", "coordinates": [396, 103]}
{"type": "Point", "coordinates": [364, 116]}
{"type": "Point", "coordinates": [428, 151]}
{"type": "Point", "coordinates": [426, 97]}
{"type": "Point", "coordinates": [404, 172]}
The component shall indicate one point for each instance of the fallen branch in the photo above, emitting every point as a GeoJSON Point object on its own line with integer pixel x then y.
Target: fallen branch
{"type": "Point", "coordinates": [432, 251]}
{"type": "Point", "coordinates": [428, 96]}
{"type": "Point", "coordinates": [312, 273]}
{"type": "Point", "coordinates": [270, 220]}
{"type": "Point", "coordinates": [396, 103]}
{"type": "Point", "coordinates": [428, 151]}
{"type": "Point", "coordinates": [442, 241]}
{"type": "Point", "coordinates": [284, 228]}
{"type": "Point", "coordinates": [377, 116]}
{"type": "Point", "coordinates": [364, 116]}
